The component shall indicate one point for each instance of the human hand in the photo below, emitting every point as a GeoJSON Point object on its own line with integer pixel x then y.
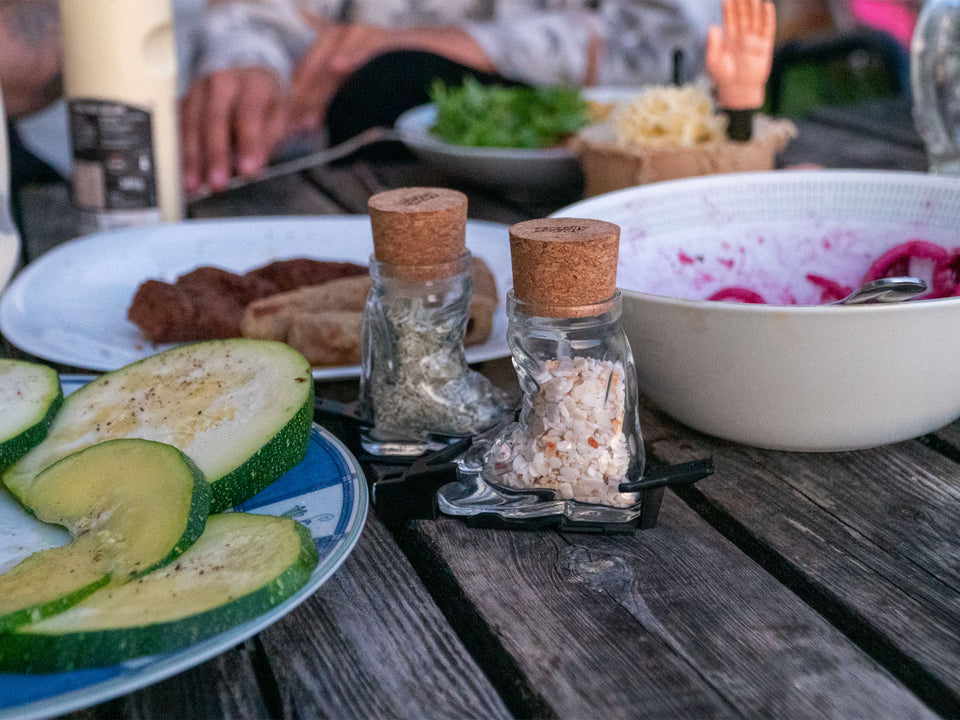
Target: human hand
{"type": "Point", "coordinates": [342, 50]}
{"type": "Point", "coordinates": [740, 55]}
{"type": "Point", "coordinates": [315, 81]}
{"type": "Point", "coordinates": [30, 55]}
{"type": "Point", "coordinates": [230, 119]}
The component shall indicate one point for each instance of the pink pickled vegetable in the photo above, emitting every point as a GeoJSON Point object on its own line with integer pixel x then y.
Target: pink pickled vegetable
{"type": "Point", "coordinates": [916, 258]}
{"type": "Point", "coordinates": [737, 294]}
{"type": "Point", "coordinates": [939, 267]}
{"type": "Point", "coordinates": [830, 290]}
{"type": "Point", "coordinates": [947, 278]}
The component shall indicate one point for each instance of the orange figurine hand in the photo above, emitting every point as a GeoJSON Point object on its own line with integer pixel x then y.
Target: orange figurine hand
{"type": "Point", "coordinates": [740, 55]}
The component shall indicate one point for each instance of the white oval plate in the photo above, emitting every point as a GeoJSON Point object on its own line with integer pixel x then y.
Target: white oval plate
{"type": "Point", "coordinates": [70, 305]}
{"type": "Point", "coordinates": [326, 492]}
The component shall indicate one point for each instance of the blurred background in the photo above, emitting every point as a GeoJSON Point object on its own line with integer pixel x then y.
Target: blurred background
{"type": "Point", "coordinates": [828, 53]}
{"type": "Point", "coordinates": [835, 52]}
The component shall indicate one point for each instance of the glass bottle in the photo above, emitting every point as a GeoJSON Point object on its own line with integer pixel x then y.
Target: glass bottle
{"type": "Point", "coordinates": [120, 81]}
{"type": "Point", "coordinates": [578, 434]}
{"type": "Point", "coordinates": [9, 235]}
{"type": "Point", "coordinates": [415, 382]}
{"type": "Point", "coordinates": [935, 83]}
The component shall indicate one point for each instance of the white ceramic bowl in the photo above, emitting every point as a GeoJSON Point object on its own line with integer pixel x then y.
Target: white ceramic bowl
{"type": "Point", "coordinates": [782, 376]}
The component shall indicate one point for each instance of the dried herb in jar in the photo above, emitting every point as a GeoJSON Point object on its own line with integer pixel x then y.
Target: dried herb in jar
{"type": "Point", "coordinates": [415, 378]}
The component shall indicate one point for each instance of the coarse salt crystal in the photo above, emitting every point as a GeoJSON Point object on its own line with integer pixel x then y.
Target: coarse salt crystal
{"type": "Point", "coordinates": [574, 442]}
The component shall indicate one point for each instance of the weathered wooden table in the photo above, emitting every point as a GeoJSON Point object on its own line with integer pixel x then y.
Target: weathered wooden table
{"type": "Point", "coordinates": [784, 585]}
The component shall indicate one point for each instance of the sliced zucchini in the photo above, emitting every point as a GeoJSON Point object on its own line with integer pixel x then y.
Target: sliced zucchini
{"type": "Point", "coordinates": [242, 566]}
{"type": "Point", "coordinates": [129, 505]}
{"type": "Point", "coordinates": [240, 409]}
{"type": "Point", "coordinates": [50, 581]}
{"type": "Point", "coordinates": [30, 395]}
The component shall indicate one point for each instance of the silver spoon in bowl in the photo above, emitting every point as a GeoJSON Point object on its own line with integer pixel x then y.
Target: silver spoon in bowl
{"type": "Point", "coordinates": [885, 290]}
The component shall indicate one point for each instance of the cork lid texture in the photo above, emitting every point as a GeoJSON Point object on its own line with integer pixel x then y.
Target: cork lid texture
{"type": "Point", "coordinates": [419, 227]}
{"type": "Point", "coordinates": [564, 267]}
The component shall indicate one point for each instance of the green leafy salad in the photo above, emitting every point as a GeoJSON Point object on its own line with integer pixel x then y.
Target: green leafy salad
{"type": "Point", "coordinates": [509, 117]}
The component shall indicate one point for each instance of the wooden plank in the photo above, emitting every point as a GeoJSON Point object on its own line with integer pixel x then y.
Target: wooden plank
{"type": "Point", "coordinates": [44, 228]}
{"type": "Point", "coordinates": [890, 119]}
{"type": "Point", "coordinates": [352, 185]}
{"type": "Point", "coordinates": [485, 203]}
{"type": "Point", "coordinates": [373, 644]}
{"type": "Point", "coordinates": [288, 195]}
{"type": "Point", "coordinates": [48, 218]}
{"type": "Point", "coordinates": [671, 622]}
{"type": "Point", "coordinates": [950, 436]}
{"type": "Point", "coordinates": [224, 686]}
{"type": "Point", "coordinates": [868, 538]}
{"type": "Point", "coordinates": [349, 186]}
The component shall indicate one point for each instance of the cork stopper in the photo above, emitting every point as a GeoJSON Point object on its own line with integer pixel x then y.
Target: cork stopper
{"type": "Point", "coordinates": [564, 267]}
{"type": "Point", "coordinates": [421, 231]}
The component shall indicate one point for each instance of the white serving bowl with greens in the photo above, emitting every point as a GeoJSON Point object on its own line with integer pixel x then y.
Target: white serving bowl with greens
{"type": "Point", "coordinates": [490, 167]}
{"type": "Point", "coordinates": [505, 169]}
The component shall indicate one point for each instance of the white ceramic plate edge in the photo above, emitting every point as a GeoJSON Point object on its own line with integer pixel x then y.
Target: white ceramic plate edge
{"type": "Point", "coordinates": [22, 322]}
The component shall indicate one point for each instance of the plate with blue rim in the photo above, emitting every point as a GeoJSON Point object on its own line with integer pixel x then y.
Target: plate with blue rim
{"type": "Point", "coordinates": [326, 492]}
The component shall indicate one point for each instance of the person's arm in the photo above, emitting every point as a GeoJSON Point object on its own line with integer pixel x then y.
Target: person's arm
{"type": "Point", "coordinates": [262, 69]}
{"type": "Point", "coordinates": [235, 110]}
{"type": "Point", "coordinates": [621, 42]}
{"type": "Point", "coordinates": [341, 52]}
{"type": "Point", "coordinates": [30, 57]}
{"type": "Point", "coordinates": [269, 34]}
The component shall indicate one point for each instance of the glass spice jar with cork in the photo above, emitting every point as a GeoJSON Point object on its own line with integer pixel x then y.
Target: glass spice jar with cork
{"type": "Point", "coordinates": [578, 433]}
{"type": "Point", "coordinates": [415, 381]}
